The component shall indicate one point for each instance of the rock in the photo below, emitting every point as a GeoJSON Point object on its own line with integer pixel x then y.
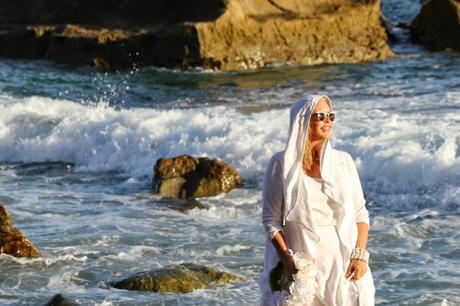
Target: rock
{"type": "Point", "coordinates": [40, 168]}
{"type": "Point", "coordinates": [12, 241]}
{"type": "Point", "coordinates": [189, 177]}
{"type": "Point", "coordinates": [60, 300]}
{"type": "Point", "coordinates": [185, 277]}
{"type": "Point", "coordinates": [254, 34]}
{"type": "Point", "coordinates": [226, 35]}
{"type": "Point", "coordinates": [388, 25]}
{"type": "Point", "coordinates": [183, 205]}
{"type": "Point", "coordinates": [438, 24]}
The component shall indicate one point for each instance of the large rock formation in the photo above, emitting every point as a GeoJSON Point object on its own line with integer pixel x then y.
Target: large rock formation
{"type": "Point", "coordinates": [12, 241]}
{"type": "Point", "coordinates": [217, 34]}
{"type": "Point", "coordinates": [189, 177]}
{"type": "Point", "coordinates": [182, 278]}
{"type": "Point", "coordinates": [438, 24]}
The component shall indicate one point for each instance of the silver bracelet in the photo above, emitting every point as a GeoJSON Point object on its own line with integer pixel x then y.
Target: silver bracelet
{"type": "Point", "coordinates": [360, 254]}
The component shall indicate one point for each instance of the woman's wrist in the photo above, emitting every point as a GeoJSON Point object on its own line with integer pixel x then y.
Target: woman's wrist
{"type": "Point", "coordinates": [360, 254]}
{"type": "Point", "coordinates": [287, 254]}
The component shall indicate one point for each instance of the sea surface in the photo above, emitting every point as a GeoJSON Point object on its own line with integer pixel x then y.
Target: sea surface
{"type": "Point", "coordinates": [77, 147]}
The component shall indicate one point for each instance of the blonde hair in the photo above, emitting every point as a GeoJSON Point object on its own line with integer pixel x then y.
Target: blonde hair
{"type": "Point", "coordinates": [310, 154]}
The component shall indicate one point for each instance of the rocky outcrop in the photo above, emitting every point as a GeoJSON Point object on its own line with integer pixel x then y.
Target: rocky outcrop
{"type": "Point", "coordinates": [257, 33]}
{"type": "Point", "coordinates": [60, 300]}
{"type": "Point", "coordinates": [189, 177]}
{"type": "Point", "coordinates": [182, 278]}
{"type": "Point", "coordinates": [12, 241]}
{"type": "Point", "coordinates": [226, 35]}
{"type": "Point", "coordinates": [438, 24]}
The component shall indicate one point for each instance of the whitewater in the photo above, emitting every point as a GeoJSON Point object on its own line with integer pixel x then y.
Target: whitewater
{"type": "Point", "coordinates": [77, 149]}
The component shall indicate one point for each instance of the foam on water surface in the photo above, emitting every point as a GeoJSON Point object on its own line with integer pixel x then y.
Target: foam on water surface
{"type": "Point", "coordinates": [77, 150]}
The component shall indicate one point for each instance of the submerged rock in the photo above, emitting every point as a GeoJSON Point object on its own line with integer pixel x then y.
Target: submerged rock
{"type": "Point", "coordinates": [12, 241]}
{"type": "Point", "coordinates": [183, 278]}
{"type": "Point", "coordinates": [189, 177]}
{"type": "Point", "coordinates": [60, 300]}
{"type": "Point", "coordinates": [226, 35]}
{"type": "Point", "coordinates": [183, 205]}
{"type": "Point", "coordinates": [438, 24]}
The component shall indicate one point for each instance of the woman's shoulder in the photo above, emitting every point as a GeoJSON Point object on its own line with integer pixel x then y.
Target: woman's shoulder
{"type": "Point", "coordinates": [278, 156]}
{"type": "Point", "coordinates": [276, 159]}
{"type": "Point", "coordinates": [343, 156]}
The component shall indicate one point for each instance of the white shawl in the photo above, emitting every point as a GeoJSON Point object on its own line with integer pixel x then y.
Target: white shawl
{"type": "Point", "coordinates": [301, 112]}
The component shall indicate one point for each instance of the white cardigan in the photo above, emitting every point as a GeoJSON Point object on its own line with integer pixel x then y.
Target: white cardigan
{"type": "Point", "coordinates": [342, 184]}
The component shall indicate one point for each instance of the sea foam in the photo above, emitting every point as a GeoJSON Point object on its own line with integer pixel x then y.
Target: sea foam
{"type": "Point", "coordinates": [395, 150]}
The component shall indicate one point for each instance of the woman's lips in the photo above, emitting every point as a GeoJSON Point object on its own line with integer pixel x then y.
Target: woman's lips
{"type": "Point", "coordinates": [326, 128]}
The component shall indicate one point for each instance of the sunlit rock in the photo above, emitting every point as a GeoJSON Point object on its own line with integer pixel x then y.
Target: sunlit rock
{"type": "Point", "coordinates": [12, 241]}
{"type": "Point", "coordinates": [189, 177]}
{"type": "Point", "coordinates": [215, 34]}
{"type": "Point", "coordinates": [182, 278]}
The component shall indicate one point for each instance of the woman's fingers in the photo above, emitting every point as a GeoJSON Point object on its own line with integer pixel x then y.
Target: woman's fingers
{"type": "Point", "coordinates": [360, 270]}
{"type": "Point", "coordinates": [290, 268]}
{"type": "Point", "coordinates": [356, 269]}
{"type": "Point", "coordinates": [349, 270]}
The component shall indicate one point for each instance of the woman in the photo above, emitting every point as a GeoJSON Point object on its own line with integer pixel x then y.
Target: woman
{"type": "Point", "coordinates": [313, 205]}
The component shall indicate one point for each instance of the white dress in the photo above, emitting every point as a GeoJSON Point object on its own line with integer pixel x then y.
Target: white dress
{"type": "Point", "coordinates": [325, 233]}
{"type": "Point", "coordinates": [328, 260]}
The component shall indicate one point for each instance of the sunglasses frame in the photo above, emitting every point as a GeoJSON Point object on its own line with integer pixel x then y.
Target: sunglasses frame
{"type": "Point", "coordinates": [325, 114]}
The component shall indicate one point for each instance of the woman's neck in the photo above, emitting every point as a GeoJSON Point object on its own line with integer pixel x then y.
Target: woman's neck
{"type": "Point", "coordinates": [314, 171]}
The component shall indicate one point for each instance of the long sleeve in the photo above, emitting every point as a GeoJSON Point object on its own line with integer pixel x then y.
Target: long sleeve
{"type": "Point", "coordinates": [272, 198]}
{"type": "Point", "coordinates": [361, 213]}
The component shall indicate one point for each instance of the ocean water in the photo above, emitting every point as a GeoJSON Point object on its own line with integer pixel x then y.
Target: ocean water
{"type": "Point", "coordinates": [77, 147]}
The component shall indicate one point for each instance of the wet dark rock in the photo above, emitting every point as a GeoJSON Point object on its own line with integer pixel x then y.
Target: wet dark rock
{"type": "Point", "coordinates": [183, 205]}
{"type": "Point", "coordinates": [438, 24]}
{"type": "Point", "coordinates": [188, 177]}
{"type": "Point", "coordinates": [60, 300]}
{"type": "Point", "coordinates": [183, 278]}
{"type": "Point", "coordinates": [389, 26]}
{"type": "Point", "coordinates": [403, 24]}
{"type": "Point", "coordinates": [12, 241]}
{"type": "Point", "coordinates": [40, 168]}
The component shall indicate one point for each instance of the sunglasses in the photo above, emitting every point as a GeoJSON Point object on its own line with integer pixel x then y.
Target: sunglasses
{"type": "Point", "coordinates": [321, 116]}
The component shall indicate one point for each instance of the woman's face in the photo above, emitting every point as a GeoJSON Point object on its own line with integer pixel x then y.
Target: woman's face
{"type": "Point", "coordinates": [320, 130]}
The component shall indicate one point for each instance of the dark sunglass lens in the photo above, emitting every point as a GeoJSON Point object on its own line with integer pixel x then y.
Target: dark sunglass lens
{"type": "Point", "coordinates": [331, 116]}
{"type": "Point", "coordinates": [321, 116]}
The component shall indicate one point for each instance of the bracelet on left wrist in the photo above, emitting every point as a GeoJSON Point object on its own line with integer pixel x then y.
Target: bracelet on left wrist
{"type": "Point", "coordinates": [360, 254]}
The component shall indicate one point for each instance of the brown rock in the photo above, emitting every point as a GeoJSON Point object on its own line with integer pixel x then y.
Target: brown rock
{"type": "Point", "coordinates": [227, 35]}
{"type": "Point", "coordinates": [438, 24]}
{"type": "Point", "coordinates": [183, 278]}
{"type": "Point", "coordinates": [257, 33]}
{"type": "Point", "coordinates": [12, 241]}
{"type": "Point", "coordinates": [189, 177]}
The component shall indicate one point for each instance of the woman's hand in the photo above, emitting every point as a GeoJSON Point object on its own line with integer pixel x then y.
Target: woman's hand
{"type": "Point", "coordinates": [356, 269]}
{"type": "Point", "coordinates": [289, 265]}
{"type": "Point", "coordinates": [284, 254]}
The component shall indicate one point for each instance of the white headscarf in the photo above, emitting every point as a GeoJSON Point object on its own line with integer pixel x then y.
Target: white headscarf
{"type": "Point", "coordinates": [301, 112]}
